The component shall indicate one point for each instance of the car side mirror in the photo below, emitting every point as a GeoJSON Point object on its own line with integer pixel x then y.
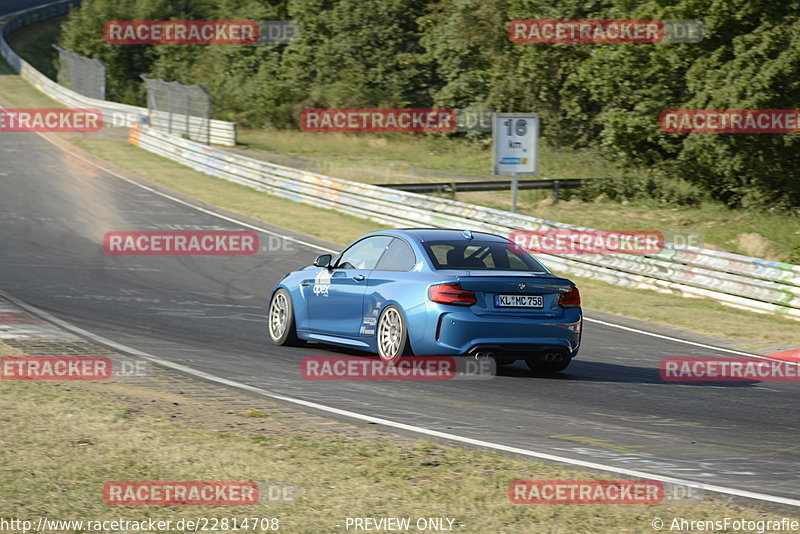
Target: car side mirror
{"type": "Point", "coordinates": [323, 260]}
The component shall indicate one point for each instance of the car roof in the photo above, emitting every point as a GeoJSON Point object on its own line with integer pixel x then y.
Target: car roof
{"type": "Point", "coordinates": [441, 234]}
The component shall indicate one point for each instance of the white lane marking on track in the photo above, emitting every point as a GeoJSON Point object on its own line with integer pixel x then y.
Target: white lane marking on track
{"type": "Point", "coordinates": [318, 247]}
{"type": "Point", "coordinates": [496, 446]}
{"type": "Point", "coordinates": [189, 204]}
{"type": "Point", "coordinates": [687, 342]}
{"type": "Point", "coordinates": [402, 426]}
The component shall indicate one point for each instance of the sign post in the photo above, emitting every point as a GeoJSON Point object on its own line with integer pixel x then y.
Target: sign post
{"type": "Point", "coordinates": [515, 147]}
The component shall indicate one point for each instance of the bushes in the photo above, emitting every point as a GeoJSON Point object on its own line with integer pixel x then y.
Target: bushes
{"type": "Point", "coordinates": [749, 60]}
{"type": "Point", "coordinates": [83, 33]}
{"type": "Point", "coordinates": [456, 53]}
{"type": "Point", "coordinates": [660, 189]}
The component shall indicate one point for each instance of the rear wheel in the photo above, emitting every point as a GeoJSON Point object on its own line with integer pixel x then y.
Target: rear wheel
{"type": "Point", "coordinates": [392, 335]}
{"type": "Point", "coordinates": [552, 362]}
{"type": "Point", "coordinates": [282, 329]}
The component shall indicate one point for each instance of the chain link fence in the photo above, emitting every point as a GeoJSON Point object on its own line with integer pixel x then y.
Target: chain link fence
{"type": "Point", "coordinates": [83, 75]}
{"type": "Point", "coordinates": [178, 109]}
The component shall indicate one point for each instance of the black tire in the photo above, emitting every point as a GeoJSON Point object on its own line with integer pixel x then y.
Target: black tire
{"type": "Point", "coordinates": [287, 335]}
{"type": "Point", "coordinates": [540, 366]}
{"type": "Point", "coordinates": [391, 335]}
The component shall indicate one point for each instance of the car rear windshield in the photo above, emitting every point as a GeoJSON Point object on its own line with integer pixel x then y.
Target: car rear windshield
{"type": "Point", "coordinates": [482, 255]}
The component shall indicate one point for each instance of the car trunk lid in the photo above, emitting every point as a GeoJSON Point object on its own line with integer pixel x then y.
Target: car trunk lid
{"type": "Point", "coordinates": [517, 293]}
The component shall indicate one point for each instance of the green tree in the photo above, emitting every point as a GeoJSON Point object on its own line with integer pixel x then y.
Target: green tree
{"type": "Point", "coordinates": [82, 32]}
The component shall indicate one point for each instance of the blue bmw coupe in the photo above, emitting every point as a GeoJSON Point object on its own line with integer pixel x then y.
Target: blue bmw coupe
{"type": "Point", "coordinates": [432, 292]}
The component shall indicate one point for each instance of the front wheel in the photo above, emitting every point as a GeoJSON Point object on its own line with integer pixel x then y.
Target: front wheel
{"type": "Point", "coordinates": [282, 329]}
{"type": "Point", "coordinates": [392, 335]}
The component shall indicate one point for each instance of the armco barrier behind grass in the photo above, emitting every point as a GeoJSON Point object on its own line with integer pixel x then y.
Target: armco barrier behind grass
{"type": "Point", "coordinates": [114, 113]}
{"type": "Point", "coordinates": [748, 283]}
{"type": "Point", "coordinates": [744, 282]}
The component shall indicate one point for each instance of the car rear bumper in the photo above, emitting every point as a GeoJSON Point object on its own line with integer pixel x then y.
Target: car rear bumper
{"type": "Point", "coordinates": [461, 332]}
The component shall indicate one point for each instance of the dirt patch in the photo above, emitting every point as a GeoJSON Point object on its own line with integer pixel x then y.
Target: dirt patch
{"type": "Point", "coordinates": [758, 246]}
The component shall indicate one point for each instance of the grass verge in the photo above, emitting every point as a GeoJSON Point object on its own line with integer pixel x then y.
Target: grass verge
{"type": "Point", "coordinates": [61, 443]}
{"type": "Point", "coordinates": [34, 44]}
{"type": "Point", "coordinates": [376, 159]}
{"type": "Point", "coordinates": [404, 158]}
{"type": "Point", "coordinates": [699, 315]}
{"type": "Point", "coordinates": [386, 158]}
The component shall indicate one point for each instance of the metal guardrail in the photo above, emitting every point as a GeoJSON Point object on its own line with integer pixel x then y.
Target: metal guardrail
{"type": "Point", "coordinates": [114, 113]}
{"type": "Point", "coordinates": [741, 281]}
{"type": "Point", "coordinates": [748, 283]}
{"type": "Point", "coordinates": [490, 185]}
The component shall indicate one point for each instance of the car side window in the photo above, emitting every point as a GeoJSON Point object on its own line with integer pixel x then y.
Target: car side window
{"type": "Point", "coordinates": [399, 257]}
{"type": "Point", "coordinates": [364, 254]}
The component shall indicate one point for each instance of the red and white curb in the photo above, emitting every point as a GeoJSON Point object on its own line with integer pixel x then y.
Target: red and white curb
{"type": "Point", "coordinates": [16, 323]}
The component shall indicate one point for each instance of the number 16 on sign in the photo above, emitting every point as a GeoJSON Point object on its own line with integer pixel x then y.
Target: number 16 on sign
{"type": "Point", "coordinates": [515, 138]}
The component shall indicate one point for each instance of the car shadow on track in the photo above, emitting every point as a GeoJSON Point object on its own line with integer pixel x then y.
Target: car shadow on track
{"type": "Point", "coordinates": [589, 371]}
{"type": "Point", "coordinates": [578, 371]}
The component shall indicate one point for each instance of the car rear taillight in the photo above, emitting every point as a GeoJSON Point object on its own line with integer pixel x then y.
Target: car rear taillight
{"type": "Point", "coordinates": [451, 294]}
{"type": "Point", "coordinates": [570, 299]}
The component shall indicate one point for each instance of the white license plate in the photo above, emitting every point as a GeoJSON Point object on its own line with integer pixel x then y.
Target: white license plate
{"type": "Point", "coordinates": [518, 301]}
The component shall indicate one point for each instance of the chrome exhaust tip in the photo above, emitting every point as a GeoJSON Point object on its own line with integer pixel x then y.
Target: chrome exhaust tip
{"type": "Point", "coordinates": [552, 357]}
{"type": "Point", "coordinates": [485, 353]}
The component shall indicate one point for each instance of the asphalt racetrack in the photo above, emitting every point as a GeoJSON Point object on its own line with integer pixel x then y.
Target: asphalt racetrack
{"type": "Point", "coordinates": [209, 313]}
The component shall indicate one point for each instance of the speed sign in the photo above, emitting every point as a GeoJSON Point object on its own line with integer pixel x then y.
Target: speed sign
{"type": "Point", "coordinates": [516, 137]}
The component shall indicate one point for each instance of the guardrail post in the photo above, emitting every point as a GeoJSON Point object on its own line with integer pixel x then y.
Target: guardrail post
{"type": "Point", "coordinates": [169, 113]}
{"type": "Point", "coordinates": [514, 189]}
{"type": "Point", "coordinates": [555, 192]}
